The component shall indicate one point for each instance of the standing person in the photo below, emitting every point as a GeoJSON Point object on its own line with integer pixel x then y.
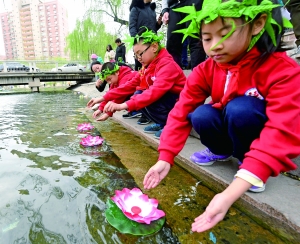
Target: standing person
{"type": "Point", "coordinates": [115, 76]}
{"type": "Point", "coordinates": [174, 39]}
{"type": "Point", "coordinates": [158, 83]}
{"type": "Point", "coordinates": [109, 54]}
{"type": "Point", "coordinates": [254, 113]}
{"type": "Point", "coordinates": [120, 51]}
{"type": "Point", "coordinates": [142, 13]}
{"type": "Point", "coordinates": [293, 6]}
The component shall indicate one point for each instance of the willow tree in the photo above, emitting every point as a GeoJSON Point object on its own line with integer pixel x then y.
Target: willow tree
{"type": "Point", "coordinates": [88, 37]}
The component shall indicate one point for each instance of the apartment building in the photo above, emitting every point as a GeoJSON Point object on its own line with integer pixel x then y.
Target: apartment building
{"type": "Point", "coordinates": [34, 29]}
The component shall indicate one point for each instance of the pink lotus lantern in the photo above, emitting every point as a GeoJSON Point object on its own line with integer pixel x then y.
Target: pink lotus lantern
{"type": "Point", "coordinates": [137, 206]}
{"type": "Point", "coordinates": [91, 141]}
{"type": "Point", "coordinates": [85, 127]}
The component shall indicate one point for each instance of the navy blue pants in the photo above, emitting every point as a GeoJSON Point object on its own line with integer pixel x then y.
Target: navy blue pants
{"type": "Point", "coordinates": [159, 110]}
{"type": "Point", "coordinates": [230, 131]}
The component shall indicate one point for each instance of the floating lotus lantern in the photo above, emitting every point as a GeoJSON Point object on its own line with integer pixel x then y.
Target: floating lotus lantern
{"type": "Point", "coordinates": [91, 141]}
{"type": "Point", "coordinates": [131, 211]}
{"type": "Point", "coordinates": [85, 127]}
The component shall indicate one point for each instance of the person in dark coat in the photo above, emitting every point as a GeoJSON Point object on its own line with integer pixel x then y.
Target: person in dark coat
{"type": "Point", "coordinates": [142, 13]}
{"type": "Point", "coordinates": [120, 51]}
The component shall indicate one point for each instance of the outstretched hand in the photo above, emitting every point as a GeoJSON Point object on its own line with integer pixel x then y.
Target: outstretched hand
{"type": "Point", "coordinates": [112, 107]}
{"type": "Point", "coordinates": [156, 174]}
{"type": "Point", "coordinates": [213, 214]}
{"type": "Point", "coordinates": [219, 205]}
{"type": "Point", "coordinates": [103, 117]}
{"type": "Point", "coordinates": [94, 101]}
{"type": "Point", "coordinates": [96, 113]}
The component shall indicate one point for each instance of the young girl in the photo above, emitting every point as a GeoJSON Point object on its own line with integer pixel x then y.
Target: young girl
{"type": "Point", "coordinates": [115, 76]}
{"type": "Point", "coordinates": [109, 54]}
{"type": "Point", "coordinates": [254, 113]}
{"type": "Point", "coordinates": [159, 83]}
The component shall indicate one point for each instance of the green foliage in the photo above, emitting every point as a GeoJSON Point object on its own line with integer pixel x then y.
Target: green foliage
{"type": "Point", "coordinates": [88, 37]}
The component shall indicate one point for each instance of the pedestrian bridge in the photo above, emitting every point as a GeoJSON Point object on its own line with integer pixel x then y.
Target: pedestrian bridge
{"type": "Point", "coordinates": [33, 79]}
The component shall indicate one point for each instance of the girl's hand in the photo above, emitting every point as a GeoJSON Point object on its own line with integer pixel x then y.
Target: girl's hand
{"type": "Point", "coordinates": [156, 174]}
{"type": "Point", "coordinates": [103, 117]}
{"type": "Point", "coordinates": [219, 205]}
{"type": "Point", "coordinates": [93, 101]}
{"type": "Point", "coordinates": [96, 113]}
{"type": "Point", "coordinates": [99, 82]}
{"type": "Point", "coordinates": [112, 107]}
{"type": "Point", "coordinates": [213, 214]}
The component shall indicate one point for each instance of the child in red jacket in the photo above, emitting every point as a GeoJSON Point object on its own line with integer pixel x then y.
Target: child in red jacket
{"type": "Point", "coordinates": [115, 76]}
{"type": "Point", "coordinates": [254, 113]}
{"type": "Point", "coordinates": [158, 83]}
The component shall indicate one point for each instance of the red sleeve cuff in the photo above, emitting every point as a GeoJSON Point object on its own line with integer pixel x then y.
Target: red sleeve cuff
{"type": "Point", "coordinates": [166, 156]}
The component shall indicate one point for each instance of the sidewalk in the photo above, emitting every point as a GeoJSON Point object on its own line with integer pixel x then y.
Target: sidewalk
{"type": "Point", "coordinates": [277, 208]}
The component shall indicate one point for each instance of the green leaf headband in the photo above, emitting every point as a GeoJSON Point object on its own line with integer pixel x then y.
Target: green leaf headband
{"type": "Point", "coordinates": [212, 9]}
{"type": "Point", "coordinates": [106, 72]}
{"type": "Point", "coordinates": [148, 37]}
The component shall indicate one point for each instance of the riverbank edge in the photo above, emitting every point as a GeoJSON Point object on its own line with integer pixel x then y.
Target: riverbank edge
{"type": "Point", "coordinates": [275, 209]}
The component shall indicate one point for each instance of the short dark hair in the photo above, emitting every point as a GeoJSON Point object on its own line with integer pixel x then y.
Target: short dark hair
{"type": "Point", "coordinates": [108, 65]}
{"type": "Point", "coordinates": [118, 40]}
{"type": "Point", "coordinates": [93, 63]}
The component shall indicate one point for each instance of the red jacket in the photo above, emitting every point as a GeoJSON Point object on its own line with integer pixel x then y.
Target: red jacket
{"type": "Point", "coordinates": [125, 74]}
{"type": "Point", "coordinates": [162, 75]}
{"type": "Point", "coordinates": [277, 79]}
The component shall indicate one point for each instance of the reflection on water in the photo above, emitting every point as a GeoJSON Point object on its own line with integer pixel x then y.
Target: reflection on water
{"type": "Point", "coordinates": [54, 191]}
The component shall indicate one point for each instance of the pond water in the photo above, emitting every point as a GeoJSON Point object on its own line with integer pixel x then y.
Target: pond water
{"type": "Point", "coordinates": [54, 191]}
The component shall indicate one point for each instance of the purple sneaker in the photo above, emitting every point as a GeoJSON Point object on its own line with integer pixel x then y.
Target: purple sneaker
{"type": "Point", "coordinates": [257, 188]}
{"type": "Point", "coordinates": [206, 157]}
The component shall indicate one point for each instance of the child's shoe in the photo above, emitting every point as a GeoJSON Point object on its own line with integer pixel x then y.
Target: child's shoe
{"type": "Point", "coordinates": [206, 157]}
{"type": "Point", "coordinates": [157, 134]}
{"type": "Point", "coordinates": [153, 128]}
{"type": "Point", "coordinates": [143, 120]}
{"type": "Point", "coordinates": [257, 188]}
{"type": "Point", "coordinates": [133, 114]}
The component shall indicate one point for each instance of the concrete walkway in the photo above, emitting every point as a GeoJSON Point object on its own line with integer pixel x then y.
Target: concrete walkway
{"type": "Point", "coordinates": [277, 208]}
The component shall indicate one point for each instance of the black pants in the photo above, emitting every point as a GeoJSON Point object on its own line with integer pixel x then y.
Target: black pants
{"type": "Point", "coordinates": [174, 40]}
{"type": "Point", "coordinates": [159, 110]}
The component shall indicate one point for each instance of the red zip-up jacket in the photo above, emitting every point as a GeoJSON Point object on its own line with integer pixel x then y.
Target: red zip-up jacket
{"type": "Point", "coordinates": [125, 74]}
{"type": "Point", "coordinates": [275, 78]}
{"type": "Point", "coordinates": [162, 75]}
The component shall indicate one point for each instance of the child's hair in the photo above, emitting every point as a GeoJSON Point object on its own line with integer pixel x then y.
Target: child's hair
{"type": "Point", "coordinates": [268, 40]}
{"type": "Point", "coordinates": [93, 63]}
{"type": "Point", "coordinates": [109, 47]}
{"type": "Point", "coordinates": [118, 40]}
{"type": "Point", "coordinates": [145, 36]}
{"type": "Point", "coordinates": [107, 69]}
{"type": "Point", "coordinates": [265, 43]}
